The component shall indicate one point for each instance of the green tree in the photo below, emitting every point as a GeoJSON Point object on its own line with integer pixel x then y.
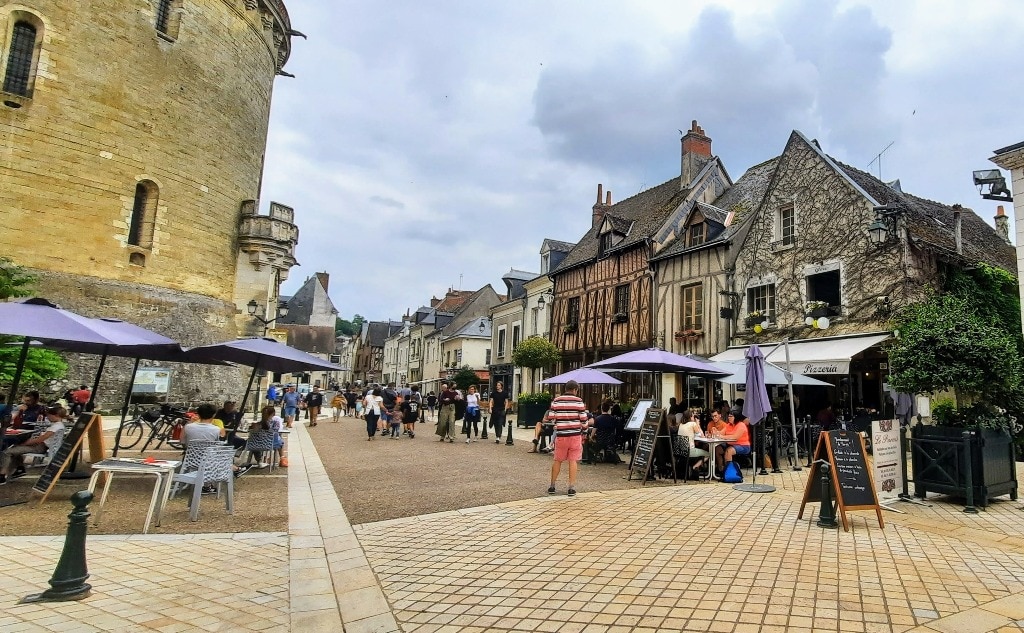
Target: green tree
{"type": "Point", "coordinates": [347, 327]}
{"type": "Point", "coordinates": [946, 342]}
{"type": "Point", "coordinates": [535, 352]}
{"type": "Point", "coordinates": [465, 377]}
{"type": "Point", "coordinates": [41, 365]}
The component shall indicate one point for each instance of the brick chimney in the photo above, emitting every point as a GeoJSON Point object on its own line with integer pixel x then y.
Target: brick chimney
{"type": "Point", "coordinates": [599, 207]}
{"type": "Point", "coordinates": [1003, 224]}
{"type": "Point", "coordinates": [696, 154]}
{"type": "Point", "coordinates": [324, 279]}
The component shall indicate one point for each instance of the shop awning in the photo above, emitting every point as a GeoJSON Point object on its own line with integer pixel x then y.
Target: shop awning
{"type": "Point", "coordinates": [814, 356]}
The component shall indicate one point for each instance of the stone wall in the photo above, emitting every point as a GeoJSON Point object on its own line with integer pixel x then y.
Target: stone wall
{"type": "Point", "coordinates": [189, 318]}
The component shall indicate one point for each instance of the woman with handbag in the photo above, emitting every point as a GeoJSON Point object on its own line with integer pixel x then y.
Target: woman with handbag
{"type": "Point", "coordinates": [472, 419]}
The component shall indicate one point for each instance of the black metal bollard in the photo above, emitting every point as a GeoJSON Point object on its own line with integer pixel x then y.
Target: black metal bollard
{"type": "Point", "coordinates": [68, 581]}
{"type": "Point", "coordinates": [903, 461]}
{"type": "Point", "coordinates": [508, 442]}
{"type": "Point", "coordinates": [969, 474]}
{"type": "Point", "coordinates": [761, 452]}
{"type": "Point", "coordinates": [775, 447]}
{"type": "Point", "coordinates": [484, 421]}
{"type": "Point", "coordinates": [827, 514]}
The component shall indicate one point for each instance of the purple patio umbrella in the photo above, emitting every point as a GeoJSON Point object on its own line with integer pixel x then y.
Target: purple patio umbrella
{"type": "Point", "coordinates": [260, 353]}
{"type": "Point", "coordinates": [582, 376]}
{"type": "Point", "coordinates": [756, 406]}
{"type": "Point", "coordinates": [659, 361]}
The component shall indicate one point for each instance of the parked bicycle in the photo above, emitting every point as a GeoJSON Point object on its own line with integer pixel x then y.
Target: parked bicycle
{"type": "Point", "coordinates": [157, 425]}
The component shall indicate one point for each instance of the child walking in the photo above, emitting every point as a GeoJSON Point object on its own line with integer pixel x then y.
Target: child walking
{"type": "Point", "coordinates": [395, 422]}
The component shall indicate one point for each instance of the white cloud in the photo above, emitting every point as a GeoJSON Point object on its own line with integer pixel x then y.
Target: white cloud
{"type": "Point", "coordinates": [424, 141]}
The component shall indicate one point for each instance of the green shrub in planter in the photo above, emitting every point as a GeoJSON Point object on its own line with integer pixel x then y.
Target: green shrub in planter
{"type": "Point", "coordinates": [531, 408]}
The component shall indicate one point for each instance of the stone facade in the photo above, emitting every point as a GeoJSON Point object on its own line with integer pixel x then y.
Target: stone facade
{"type": "Point", "coordinates": [130, 158]}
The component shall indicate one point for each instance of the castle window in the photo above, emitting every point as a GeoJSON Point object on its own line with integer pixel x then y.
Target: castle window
{"type": "Point", "coordinates": [20, 56]}
{"type": "Point", "coordinates": [143, 221]}
{"type": "Point", "coordinates": [168, 17]}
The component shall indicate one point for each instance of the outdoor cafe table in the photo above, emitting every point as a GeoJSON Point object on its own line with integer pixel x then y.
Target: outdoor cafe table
{"type": "Point", "coordinates": [162, 471]}
{"type": "Point", "coordinates": [15, 436]}
{"type": "Point", "coordinates": [713, 443]}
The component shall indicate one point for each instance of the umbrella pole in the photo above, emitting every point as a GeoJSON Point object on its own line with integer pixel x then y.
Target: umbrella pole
{"type": "Point", "coordinates": [248, 388]}
{"type": "Point", "coordinates": [124, 409]}
{"type": "Point", "coordinates": [96, 383]}
{"type": "Point", "coordinates": [792, 408]}
{"type": "Point", "coordinates": [17, 374]}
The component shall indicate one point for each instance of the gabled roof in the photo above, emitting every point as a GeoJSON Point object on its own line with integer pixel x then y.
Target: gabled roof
{"type": "Point", "coordinates": [932, 225]}
{"type": "Point", "coordinates": [555, 245]}
{"type": "Point", "coordinates": [617, 224]}
{"type": "Point", "coordinates": [453, 300]}
{"type": "Point", "coordinates": [646, 209]}
{"type": "Point", "coordinates": [742, 199]}
{"type": "Point", "coordinates": [379, 331]}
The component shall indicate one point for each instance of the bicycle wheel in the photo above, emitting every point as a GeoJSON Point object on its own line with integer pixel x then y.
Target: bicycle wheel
{"type": "Point", "coordinates": [131, 435]}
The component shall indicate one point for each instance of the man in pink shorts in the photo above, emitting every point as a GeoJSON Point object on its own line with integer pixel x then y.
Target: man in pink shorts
{"type": "Point", "coordinates": [569, 415]}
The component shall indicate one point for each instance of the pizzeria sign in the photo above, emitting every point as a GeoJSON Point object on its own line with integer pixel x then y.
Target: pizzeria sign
{"type": "Point", "coordinates": [831, 367]}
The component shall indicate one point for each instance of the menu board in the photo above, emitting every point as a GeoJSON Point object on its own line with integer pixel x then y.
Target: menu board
{"type": "Point", "coordinates": [638, 415]}
{"type": "Point", "coordinates": [87, 424]}
{"type": "Point", "coordinates": [886, 458]}
{"type": "Point", "coordinates": [852, 484]}
{"type": "Point", "coordinates": [646, 440]}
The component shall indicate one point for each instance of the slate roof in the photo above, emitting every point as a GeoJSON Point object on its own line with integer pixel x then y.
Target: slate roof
{"type": "Point", "coordinates": [931, 224]}
{"type": "Point", "coordinates": [647, 211]}
{"type": "Point", "coordinates": [556, 245]}
{"type": "Point", "coordinates": [521, 275]}
{"type": "Point", "coordinates": [743, 198]}
{"type": "Point", "coordinates": [378, 331]}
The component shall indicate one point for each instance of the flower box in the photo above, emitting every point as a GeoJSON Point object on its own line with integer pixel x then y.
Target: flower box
{"type": "Point", "coordinates": [817, 313]}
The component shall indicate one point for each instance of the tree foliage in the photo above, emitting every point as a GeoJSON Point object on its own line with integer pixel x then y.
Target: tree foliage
{"type": "Point", "coordinates": [41, 365]}
{"type": "Point", "coordinates": [535, 352]}
{"type": "Point", "coordinates": [465, 377]}
{"type": "Point", "coordinates": [349, 327]}
{"type": "Point", "coordinates": [967, 339]}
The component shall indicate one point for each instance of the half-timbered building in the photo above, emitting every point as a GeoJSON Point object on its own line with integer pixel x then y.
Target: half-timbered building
{"type": "Point", "coordinates": [602, 290]}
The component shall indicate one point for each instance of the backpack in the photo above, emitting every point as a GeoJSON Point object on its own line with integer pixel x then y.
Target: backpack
{"type": "Point", "coordinates": [732, 473]}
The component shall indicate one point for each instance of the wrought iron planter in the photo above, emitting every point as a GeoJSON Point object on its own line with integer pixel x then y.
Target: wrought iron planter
{"type": "Point", "coordinates": [939, 466]}
{"type": "Point", "coordinates": [817, 313]}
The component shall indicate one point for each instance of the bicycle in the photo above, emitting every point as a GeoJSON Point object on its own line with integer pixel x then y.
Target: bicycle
{"type": "Point", "coordinates": [161, 424]}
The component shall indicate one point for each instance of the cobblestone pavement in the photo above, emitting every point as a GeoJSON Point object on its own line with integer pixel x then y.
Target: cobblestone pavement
{"type": "Point", "coordinates": [695, 557]}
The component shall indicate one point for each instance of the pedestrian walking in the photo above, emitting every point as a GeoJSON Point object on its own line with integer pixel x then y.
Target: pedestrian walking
{"type": "Point", "coordinates": [337, 406]}
{"type": "Point", "coordinates": [569, 415]}
{"type": "Point", "coordinates": [411, 407]}
{"type": "Point", "coordinates": [372, 406]}
{"type": "Point", "coordinates": [272, 395]}
{"type": "Point", "coordinates": [314, 402]}
{"type": "Point", "coordinates": [291, 405]}
{"type": "Point", "coordinates": [497, 406]}
{"type": "Point", "coordinates": [471, 421]}
{"type": "Point", "coordinates": [432, 404]}
{"type": "Point", "coordinates": [351, 402]}
{"type": "Point", "coordinates": [446, 418]}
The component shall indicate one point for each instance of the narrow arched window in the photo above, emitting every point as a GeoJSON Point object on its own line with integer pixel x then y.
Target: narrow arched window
{"type": "Point", "coordinates": [18, 79]}
{"type": "Point", "coordinates": [163, 15]}
{"type": "Point", "coordinates": [168, 18]}
{"type": "Point", "coordinates": [143, 221]}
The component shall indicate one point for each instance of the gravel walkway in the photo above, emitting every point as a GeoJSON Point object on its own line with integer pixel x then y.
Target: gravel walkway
{"type": "Point", "coordinates": [388, 479]}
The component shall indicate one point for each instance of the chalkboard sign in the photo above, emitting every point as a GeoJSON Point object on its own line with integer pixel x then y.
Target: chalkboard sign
{"type": "Point", "coordinates": [86, 423]}
{"type": "Point", "coordinates": [646, 440]}
{"type": "Point", "coordinates": [852, 485]}
{"type": "Point", "coordinates": [638, 415]}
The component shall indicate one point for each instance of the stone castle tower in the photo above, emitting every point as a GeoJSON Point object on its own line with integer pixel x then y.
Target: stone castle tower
{"type": "Point", "coordinates": [132, 136]}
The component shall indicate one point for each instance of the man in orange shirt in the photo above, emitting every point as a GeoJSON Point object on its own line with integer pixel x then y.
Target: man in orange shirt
{"type": "Point", "coordinates": [740, 446]}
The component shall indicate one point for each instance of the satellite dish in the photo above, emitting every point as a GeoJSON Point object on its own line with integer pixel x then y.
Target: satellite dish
{"type": "Point", "coordinates": [823, 323]}
{"type": "Point", "coordinates": [809, 321]}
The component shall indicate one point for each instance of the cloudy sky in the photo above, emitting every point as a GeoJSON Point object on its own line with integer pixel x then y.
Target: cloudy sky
{"type": "Point", "coordinates": [428, 145]}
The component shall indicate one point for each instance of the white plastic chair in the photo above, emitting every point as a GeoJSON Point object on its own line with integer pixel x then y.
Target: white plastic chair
{"type": "Point", "coordinates": [261, 442]}
{"type": "Point", "coordinates": [215, 467]}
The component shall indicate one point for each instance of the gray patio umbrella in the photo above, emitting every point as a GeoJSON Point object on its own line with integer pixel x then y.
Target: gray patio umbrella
{"type": "Point", "coordinates": [756, 406]}
{"type": "Point", "coordinates": [583, 376]}
{"type": "Point", "coordinates": [260, 353]}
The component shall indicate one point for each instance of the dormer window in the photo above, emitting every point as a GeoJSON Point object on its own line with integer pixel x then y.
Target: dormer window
{"type": "Point", "coordinates": [607, 242]}
{"type": "Point", "coordinates": [697, 234]}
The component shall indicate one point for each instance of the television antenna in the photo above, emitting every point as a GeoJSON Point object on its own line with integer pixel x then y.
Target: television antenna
{"type": "Point", "coordinates": [878, 159]}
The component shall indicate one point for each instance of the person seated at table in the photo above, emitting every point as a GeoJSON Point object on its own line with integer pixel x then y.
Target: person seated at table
{"type": "Point", "coordinates": [204, 428]}
{"type": "Point", "coordinates": [230, 418]}
{"type": "Point", "coordinates": [12, 460]}
{"type": "Point", "coordinates": [29, 411]}
{"type": "Point", "coordinates": [715, 425]}
{"type": "Point", "coordinates": [690, 428]}
{"type": "Point", "coordinates": [737, 431]}
{"type": "Point", "coordinates": [603, 435]}
{"type": "Point", "coordinates": [542, 429]}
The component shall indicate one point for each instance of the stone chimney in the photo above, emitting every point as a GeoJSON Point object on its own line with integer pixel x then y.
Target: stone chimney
{"type": "Point", "coordinates": [1003, 225]}
{"type": "Point", "coordinates": [957, 233]}
{"type": "Point", "coordinates": [696, 154]}
{"type": "Point", "coordinates": [599, 207]}
{"type": "Point", "coordinates": [324, 279]}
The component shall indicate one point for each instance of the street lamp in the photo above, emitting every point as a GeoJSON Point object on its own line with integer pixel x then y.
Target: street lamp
{"type": "Point", "coordinates": [253, 307]}
{"type": "Point", "coordinates": [884, 227]}
{"type": "Point", "coordinates": [541, 300]}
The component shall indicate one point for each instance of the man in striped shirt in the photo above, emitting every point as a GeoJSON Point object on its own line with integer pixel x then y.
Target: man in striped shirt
{"type": "Point", "coordinates": [569, 415]}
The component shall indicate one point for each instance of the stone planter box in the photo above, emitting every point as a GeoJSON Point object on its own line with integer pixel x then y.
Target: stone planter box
{"type": "Point", "coordinates": [817, 313]}
{"type": "Point", "coordinates": [938, 462]}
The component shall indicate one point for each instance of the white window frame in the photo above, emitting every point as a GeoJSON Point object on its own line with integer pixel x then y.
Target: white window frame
{"type": "Point", "coordinates": [502, 340]}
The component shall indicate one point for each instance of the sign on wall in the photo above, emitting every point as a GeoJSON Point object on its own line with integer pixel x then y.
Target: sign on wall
{"type": "Point", "coordinates": [152, 380]}
{"type": "Point", "coordinates": [831, 367]}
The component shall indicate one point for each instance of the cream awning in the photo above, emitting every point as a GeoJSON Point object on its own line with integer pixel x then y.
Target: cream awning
{"type": "Point", "coordinates": [815, 356]}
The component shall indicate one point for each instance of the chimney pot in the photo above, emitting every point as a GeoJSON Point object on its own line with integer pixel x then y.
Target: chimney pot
{"type": "Point", "coordinates": [696, 153]}
{"type": "Point", "coordinates": [608, 199]}
{"type": "Point", "coordinates": [958, 235]}
{"type": "Point", "coordinates": [598, 210]}
{"type": "Point", "coordinates": [599, 186]}
{"type": "Point", "coordinates": [1003, 225]}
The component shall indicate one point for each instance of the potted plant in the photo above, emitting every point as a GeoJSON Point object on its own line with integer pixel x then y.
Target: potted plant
{"type": "Point", "coordinates": [957, 342]}
{"type": "Point", "coordinates": [619, 317]}
{"type": "Point", "coordinates": [754, 317]}
{"type": "Point", "coordinates": [816, 309]}
{"type": "Point", "coordinates": [689, 334]}
{"type": "Point", "coordinates": [531, 408]}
